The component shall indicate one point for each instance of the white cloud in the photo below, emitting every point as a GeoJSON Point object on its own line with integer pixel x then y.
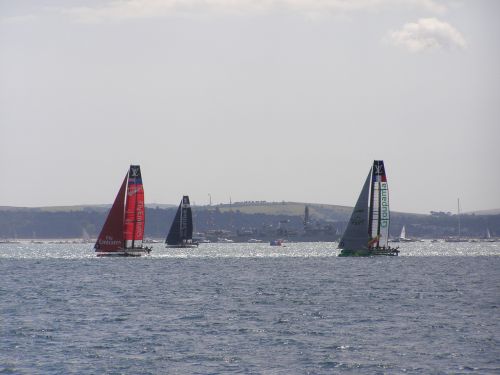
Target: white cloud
{"type": "Point", "coordinates": [131, 9]}
{"type": "Point", "coordinates": [427, 33]}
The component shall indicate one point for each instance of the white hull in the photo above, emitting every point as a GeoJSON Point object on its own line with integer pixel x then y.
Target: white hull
{"type": "Point", "coordinates": [407, 240]}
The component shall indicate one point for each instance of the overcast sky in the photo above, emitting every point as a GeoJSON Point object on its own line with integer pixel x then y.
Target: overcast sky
{"type": "Point", "coordinates": [250, 100]}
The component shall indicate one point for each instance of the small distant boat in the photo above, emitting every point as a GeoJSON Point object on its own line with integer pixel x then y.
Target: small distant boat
{"type": "Point", "coordinates": [367, 232]}
{"type": "Point", "coordinates": [85, 237]}
{"type": "Point", "coordinates": [200, 238]}
{"type": "Point", "coordinates": [224, 240]}
{"type": "Point", "coordinates": [181, 230]}
{"type": "Point", "coordinates": [488, 237]}
{"type": "Point", "coordinates": [8, 241]}
{"type": "Point", "coordinates": [150, 240]}
{"type": "Point", "coordinates": [459, 238]}
{"type": "Point", "coordinates": [276, 243]}
{"type": "Point", "coordinates": [123, 231]}
{"type": "Point", "coordinates": [254, 240]}
{"type": "Point", "coordinates": [403, 238]}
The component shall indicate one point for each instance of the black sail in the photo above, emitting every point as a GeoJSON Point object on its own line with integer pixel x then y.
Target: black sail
{"type": "Point", "coordinates": [181, 230]}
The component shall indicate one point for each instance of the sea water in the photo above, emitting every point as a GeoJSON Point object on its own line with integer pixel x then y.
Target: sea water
{"type": "Point", "coordinates": [250, 309]}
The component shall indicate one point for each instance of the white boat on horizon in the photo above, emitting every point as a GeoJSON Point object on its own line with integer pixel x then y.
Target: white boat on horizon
{"type": "Point", "coordinates": [459, 237]}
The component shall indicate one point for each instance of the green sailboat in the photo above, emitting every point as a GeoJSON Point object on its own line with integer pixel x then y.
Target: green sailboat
{"type": "Point", "coordinates": [367, 232]}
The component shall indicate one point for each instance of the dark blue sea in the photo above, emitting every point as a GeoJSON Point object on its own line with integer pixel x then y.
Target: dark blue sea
{"type": "Point", "coordinates": [250, 309]}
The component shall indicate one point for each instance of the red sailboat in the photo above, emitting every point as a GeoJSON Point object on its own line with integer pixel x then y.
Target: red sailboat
{"type": "Point", "coordinates": [123, 232]}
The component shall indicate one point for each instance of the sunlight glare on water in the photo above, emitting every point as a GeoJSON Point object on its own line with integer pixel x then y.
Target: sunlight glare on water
{"type": "Point", "coordinates": [28, 250]}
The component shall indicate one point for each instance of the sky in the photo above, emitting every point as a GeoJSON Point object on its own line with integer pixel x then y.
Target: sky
{"type": "Point", "coordinates": [250, 100]}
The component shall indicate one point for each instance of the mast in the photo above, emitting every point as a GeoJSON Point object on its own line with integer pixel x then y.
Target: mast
{"type": "Point", "coordinates": [374, 210]}
{"type": "Point", "coordinates": [186, 220]}
{"type": "Point", "coordinates": [306, 218]}
{"type": "Point", "coordinates": [379, 205]}
{"type": "Point", "coordinates": [459, 229]}
{"type": "Point", "coordinates": [134, 209]}
{"type": "Point", "coordinates": [378, 228]}
{"type": "Point", "coordinates": [182, 226]}
{"type": "Point", "coordinates": [385, 212]}
{"type": "Point", "coordinates": [189, 219]}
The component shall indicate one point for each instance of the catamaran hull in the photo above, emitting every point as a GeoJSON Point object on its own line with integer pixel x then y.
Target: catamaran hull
{"type": "Point", "coordinates": [181, 246]}
{"type": "Point", "coordinates": [369, 253]}
{"type": "Point", "coordinates": [124, 253]}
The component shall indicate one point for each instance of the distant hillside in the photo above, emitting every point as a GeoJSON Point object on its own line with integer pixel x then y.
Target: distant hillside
{"type": "Point", "coordinates": [319, 211]}
{"type": "Point", "coordinates": [327, 212]}
{"type": "Point", "coordinates": [486, 212]}
{"type": "Point", "coordinates": [239, 220]}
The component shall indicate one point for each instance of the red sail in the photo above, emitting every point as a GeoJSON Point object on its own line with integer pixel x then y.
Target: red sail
{"type": "Point", "coordinates": [134, 209]}
{"type": "Point", "coordinates": [111, 237]}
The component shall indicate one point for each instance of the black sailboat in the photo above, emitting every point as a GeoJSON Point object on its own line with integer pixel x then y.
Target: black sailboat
{"type": "Point", "coordinates": [181, 230]}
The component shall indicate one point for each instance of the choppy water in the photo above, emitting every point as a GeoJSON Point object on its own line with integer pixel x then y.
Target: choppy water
{"type": "Point", "coordinates": [250, 308]}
